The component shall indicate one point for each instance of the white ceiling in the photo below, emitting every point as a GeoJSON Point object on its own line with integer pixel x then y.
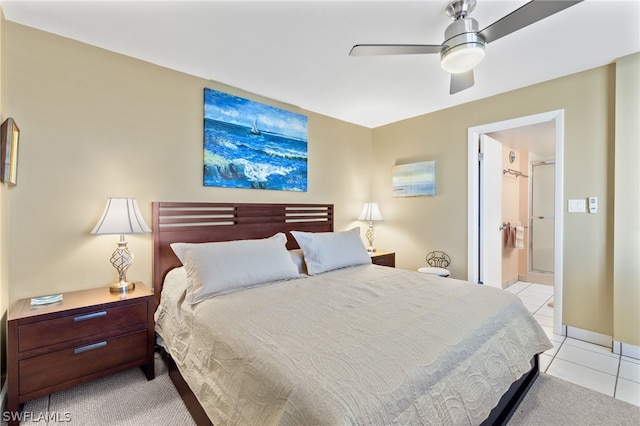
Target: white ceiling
{"type": "Point", "coordinates": [538, 139]}
{"type": "Point", "coordinates": [296, 52]}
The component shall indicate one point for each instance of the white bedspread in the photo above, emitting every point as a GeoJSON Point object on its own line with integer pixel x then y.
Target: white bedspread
{"type": "Point", "coordinates": [365, 345]}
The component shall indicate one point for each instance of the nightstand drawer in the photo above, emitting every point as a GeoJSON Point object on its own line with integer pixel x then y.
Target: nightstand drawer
{"type": "Point", "coordinates": [384, 258]}
{"type": "Point", "coordinates": [42, 372]}
{"type": "Point", "coordinates": [50, 332]}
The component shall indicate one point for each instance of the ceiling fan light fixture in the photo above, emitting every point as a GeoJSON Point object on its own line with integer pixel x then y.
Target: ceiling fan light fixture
{"type": "Point", "coordinates": [462, 58]}
{"type": "Point", "coordinates": [463, 46]}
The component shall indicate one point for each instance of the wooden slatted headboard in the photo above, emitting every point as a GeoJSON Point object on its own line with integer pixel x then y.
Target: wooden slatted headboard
{"type": "Point", "coordinates": [199, 222]}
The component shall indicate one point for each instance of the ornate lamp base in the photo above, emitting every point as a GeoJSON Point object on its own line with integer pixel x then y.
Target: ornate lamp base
{"type": "Point", "coordinates": [121, 259]}
{"type": "Point", "coordinates": [371, 234]}
{"type": "Point", "coordinates": [122, 287]}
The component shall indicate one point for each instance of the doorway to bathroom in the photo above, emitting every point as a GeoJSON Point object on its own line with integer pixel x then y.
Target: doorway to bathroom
{"type": "Point", "coordinates": [515, 183]}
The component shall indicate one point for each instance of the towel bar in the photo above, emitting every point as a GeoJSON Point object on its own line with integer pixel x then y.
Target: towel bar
{"type": "Point", "coordinates": [507, 224]}
{"type": "Point", "coordinates": [515, 173]}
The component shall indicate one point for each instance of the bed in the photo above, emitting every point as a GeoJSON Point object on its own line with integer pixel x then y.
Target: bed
{"type": "Point", "coordinates": [354, 344]}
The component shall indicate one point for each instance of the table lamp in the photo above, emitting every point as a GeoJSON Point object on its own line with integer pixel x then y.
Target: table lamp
{"type": "Point", "coordinates": [371, 213]}
{"type": "Point", "coordinates": [121, 216]}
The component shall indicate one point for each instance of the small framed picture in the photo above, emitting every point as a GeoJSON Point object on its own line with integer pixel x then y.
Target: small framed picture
{"type": "Point", "coordinates": [415, 179]}
{"type": "Point", "coordinates": [10, 134]}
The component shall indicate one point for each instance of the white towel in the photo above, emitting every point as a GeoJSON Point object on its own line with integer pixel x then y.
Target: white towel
{"type": "Point", "coordinates": [519, 242]}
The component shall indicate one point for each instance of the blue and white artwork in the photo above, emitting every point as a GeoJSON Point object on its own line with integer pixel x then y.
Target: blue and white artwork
{"type": "Point", "coordinates": [252, 145]}
{"type": "Point", "coordinates": [415, 179]}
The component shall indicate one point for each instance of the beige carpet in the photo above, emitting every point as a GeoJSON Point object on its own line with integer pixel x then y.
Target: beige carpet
{"type": "Point", "coordinates": [125, 398]}
{"type": "Point", "coordinates": [552, 401]}
{"type": "Point", "coordinates": [128, 399]}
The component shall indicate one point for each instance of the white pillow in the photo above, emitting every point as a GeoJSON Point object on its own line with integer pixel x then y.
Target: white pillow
{"type": "Point", "coordinates": [325, 251]}
{"type": "Point", "coordinates": [179, 248]}
{"type": "Point", "coordinates": [224, 267]}
{"type": "Point", "coordinates": [298, 258]}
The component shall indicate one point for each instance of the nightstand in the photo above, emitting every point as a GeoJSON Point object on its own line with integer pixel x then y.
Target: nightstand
{"type": "Point", "coordinates": [88, 335]}
{"type": "Point", "coordinates": [383, 258]}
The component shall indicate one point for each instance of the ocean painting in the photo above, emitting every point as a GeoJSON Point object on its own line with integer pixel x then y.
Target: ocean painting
{"type": "Point", "coordinates": [415, 179]}
{"type": "Point", "coordinates": [252, 145]}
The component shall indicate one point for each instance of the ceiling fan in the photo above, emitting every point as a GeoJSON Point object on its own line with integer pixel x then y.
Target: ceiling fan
{"type": "Point", "coordinates": [463, 45]}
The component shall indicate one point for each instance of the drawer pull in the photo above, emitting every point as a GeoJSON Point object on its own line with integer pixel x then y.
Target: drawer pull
{"type": "Point", "coordinates": [89, 347]}
{"type": "Point", "coordinates": [90, 316]}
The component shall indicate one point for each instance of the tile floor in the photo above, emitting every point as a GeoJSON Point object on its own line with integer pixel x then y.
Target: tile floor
{"type": "Point", "coordinates": [593, 366]}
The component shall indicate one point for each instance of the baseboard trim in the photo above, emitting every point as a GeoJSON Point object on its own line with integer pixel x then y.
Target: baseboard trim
{"type": "Point", "coordinates": [626, 349]}
{"type": "Point", "coordinates": [540, 278]}
{"type": "Point", "coordinates": [509, 282]}
{"type": "Point", "coordinates": [590, 336]}
{"type": "Point", "coordinates": [618, 348]}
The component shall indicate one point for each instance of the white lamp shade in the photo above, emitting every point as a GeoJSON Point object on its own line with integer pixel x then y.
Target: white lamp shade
{"type": "Point", "coordinates": [370, 212]}
{"type": "Point", "coordinates": [121, 216]}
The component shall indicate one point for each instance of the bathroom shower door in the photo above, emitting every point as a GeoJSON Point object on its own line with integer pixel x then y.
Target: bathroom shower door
{"type": "Point", "coordinates": [542, 219]}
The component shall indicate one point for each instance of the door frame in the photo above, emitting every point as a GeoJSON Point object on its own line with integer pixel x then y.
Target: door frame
{"type": "Point", "coordinates": [473, 182]}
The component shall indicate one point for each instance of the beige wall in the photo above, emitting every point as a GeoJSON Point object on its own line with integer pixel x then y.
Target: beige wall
{"type": "Point", "coordinates": [95, 124]}
{"type": "Point", "coordinates": [415, 226]}
{"type": "Point", "coordinates": [626, 250]}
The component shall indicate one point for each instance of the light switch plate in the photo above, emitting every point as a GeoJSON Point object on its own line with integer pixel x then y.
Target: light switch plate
{"type": "Point", "coordinates": [577, 206]}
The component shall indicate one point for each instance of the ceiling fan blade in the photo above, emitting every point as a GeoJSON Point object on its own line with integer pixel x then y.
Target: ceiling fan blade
{"type": "Point", "coordinates": [394, 49]}
{"type": "Point", "coordinates": [528, 14]}
{"type": "Point", "coordinates": [460, 82]}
